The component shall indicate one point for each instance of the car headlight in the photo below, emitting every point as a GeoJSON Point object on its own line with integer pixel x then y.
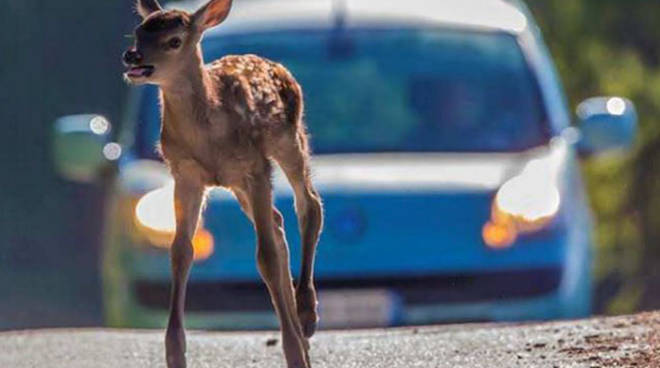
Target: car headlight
{"type": "Point", "coordinates": [527, 202]}
{"type": "Point", "coordinates": [155, 219]}
{"type": "Point", "coordinates": [155, 210]}
{"type": "Point", "coordinates": [527, 199]}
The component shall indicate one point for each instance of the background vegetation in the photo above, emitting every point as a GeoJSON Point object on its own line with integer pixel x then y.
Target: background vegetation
{"type": "Point", "coordinates": [612, 47]}
{"type": "Point", "coordinates": [62, 57]}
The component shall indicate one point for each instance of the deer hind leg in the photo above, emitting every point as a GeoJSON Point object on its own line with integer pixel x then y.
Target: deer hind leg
{"type": "Point", "coordinates": [273, 264]}
{"type": "Point", "coordinates": [188, 198]}
{"type": "Point", "coordinates": [293, 158]}
{"type": "Point", "coordinates": [244, 201]}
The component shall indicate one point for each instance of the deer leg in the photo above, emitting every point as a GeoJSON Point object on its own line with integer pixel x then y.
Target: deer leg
{"type": "Point", "coordinates": [273, 264]}
{"type": "Point", "coordinates": [294, 161]}
{"type": "Point", "coordinates": [244, 201]}
{"type": "Point", "coordinates": [188, 197]}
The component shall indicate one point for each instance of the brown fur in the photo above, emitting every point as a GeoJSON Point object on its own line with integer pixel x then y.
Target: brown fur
{"type": "Point", "coordinates": [222, 125]}
{"type": "Point", "coordinates": [252, 107]}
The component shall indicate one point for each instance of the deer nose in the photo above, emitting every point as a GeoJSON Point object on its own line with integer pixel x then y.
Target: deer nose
{"type": "Point", "coordinates": [132, 57]}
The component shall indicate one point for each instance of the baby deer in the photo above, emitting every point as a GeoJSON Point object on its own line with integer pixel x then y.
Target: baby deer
{"type": "Point", "coordinates": [222, 125]}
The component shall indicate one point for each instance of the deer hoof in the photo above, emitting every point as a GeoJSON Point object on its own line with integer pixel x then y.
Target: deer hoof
{"type": "Point", "coordinates": [308, 322]}
{"type": "Point", "coordinates": [175, 348]}
{"type": "Point", "coordinates": [307, 314]}
{"type": "Point", "coordinates": [176, 360]}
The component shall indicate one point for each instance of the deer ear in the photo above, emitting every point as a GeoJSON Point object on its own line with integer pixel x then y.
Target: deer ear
{"type": "Point", "coordinates": [146, 7]}
{"type": "Point", "coordinates": [212, 14]}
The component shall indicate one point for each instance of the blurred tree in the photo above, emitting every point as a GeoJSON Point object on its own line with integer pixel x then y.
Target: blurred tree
{"type": "Point", "coordinates": [611, 47]}
{"type": "Point", "coordinates": [58, 57]}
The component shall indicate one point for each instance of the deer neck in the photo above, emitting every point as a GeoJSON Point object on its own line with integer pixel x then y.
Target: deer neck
{"type": "Point", "coordinates": [190, 91]}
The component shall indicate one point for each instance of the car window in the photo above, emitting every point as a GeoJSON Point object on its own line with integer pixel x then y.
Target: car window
{"type": "Point", "coordinates": [401, 90]}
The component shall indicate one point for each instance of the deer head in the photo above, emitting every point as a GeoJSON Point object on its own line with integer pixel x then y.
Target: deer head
{"type": "Point", "coordinates": [167, 41]}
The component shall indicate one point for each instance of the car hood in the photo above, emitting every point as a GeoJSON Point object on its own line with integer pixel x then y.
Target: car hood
{"type": "Point", "coordinates": [381, 172]}
{"type": "Point", "coordinates": [412, 172]}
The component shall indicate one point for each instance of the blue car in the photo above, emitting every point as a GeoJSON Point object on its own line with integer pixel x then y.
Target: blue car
{"type": "Point", "coordinates": [444, 154]}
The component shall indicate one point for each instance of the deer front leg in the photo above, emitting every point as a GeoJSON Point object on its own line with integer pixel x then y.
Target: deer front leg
{"type": "Point", "coordinates": [188, 197]}
{"type": "Point", "coordinates": [273, 264]}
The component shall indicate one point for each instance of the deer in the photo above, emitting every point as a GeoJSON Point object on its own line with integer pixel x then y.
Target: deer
{"type": "Point", "coordinates": [225, 124]}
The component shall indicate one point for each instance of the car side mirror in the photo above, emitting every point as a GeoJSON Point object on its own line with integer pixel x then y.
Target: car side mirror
{"type": "Point", "coordinates": [82, 147]}
{"type": "Point", "coordinates": [606, 124]}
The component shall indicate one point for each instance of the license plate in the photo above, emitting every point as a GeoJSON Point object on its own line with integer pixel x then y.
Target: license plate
{"type": "Point", "coordinates": [358, 308]}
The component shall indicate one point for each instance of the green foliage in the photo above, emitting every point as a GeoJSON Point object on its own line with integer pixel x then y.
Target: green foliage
{"type": "Point", "coordinates": [610, 47]}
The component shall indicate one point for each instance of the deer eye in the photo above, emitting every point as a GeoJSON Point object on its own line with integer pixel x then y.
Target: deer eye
{"type": "Point", "coordinates": [174, 43]}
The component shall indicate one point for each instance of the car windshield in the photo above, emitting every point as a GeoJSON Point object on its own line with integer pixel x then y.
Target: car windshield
{"type": "Point", "coordinates": [397, 90]}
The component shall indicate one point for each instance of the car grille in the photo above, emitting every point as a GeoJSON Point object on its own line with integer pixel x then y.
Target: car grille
{"type": "Point", "coordinates": [222, 296]}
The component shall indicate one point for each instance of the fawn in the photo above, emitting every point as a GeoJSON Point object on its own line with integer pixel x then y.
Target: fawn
{"type": "Point", "coordinates": [222, 125]}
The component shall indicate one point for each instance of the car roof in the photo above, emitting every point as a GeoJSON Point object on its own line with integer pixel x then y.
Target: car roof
{"type": "Point", "coordinates": [254, 15]}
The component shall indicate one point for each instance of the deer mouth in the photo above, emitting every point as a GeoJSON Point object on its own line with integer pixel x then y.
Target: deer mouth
{"type": "Point", "coordinates": [140, 71]}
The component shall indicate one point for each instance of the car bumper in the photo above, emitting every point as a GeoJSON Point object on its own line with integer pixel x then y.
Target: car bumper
{"type": "Point", "coordinates": [538, 294]}
{"type": "Point", "coordinates": [551, 306]}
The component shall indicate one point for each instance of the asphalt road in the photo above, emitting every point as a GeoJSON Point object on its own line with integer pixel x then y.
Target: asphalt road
{"type": "Point", "coordinates": [632, 341]}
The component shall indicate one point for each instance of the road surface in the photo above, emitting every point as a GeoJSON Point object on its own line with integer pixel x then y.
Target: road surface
{"type": "Point", "coordinates": [631, 341]}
